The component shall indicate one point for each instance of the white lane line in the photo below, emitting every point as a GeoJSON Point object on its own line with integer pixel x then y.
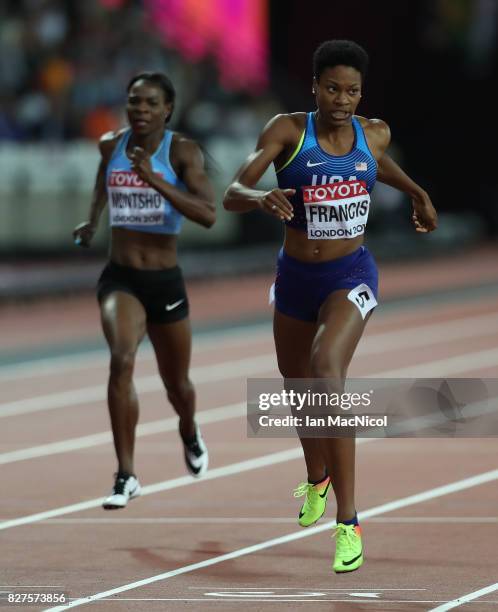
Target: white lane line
{"type": "Point", "coordinates": [251, 366]}
{"type": "Point", "coordinates": [247, 367]}
{"type": "Point", "coordinates": [316, 600]}
{"type": "Point", "coordinates": [276, 588]}
{"type": "Point", "coordinates": [459, 485]}
{"type": "Point", "coordinates": [444, 367]}
{"type": "Point", "coordinates": [165, 485]}
{"type": "Point", "coordinates": [50, 366]}
{"type": "Point", "coordinates": [427, 335]}
{"type": "Point", "coordinates": [226, 470]}
{"type": "Point", "coordinates": [170, 521]}
{"type": "Point", "coordinates": [215, 520]}
{"type": "Point", "coordinates": [437, 519]}
{"type": "Point", "coordinates": [207, 416]}
{"type": "Point", "coordinates": [217, 372]}
{"type": "Point", "coordinates": [415, 335]}
{"type": "Point", "coordinates": [473, 410]}
{"type": "Point", "coordinates": [309, 600]}
{"type": "Point", "coordinates": [212, 415]}
{"type": "Point", "coordinates": [455, 603]}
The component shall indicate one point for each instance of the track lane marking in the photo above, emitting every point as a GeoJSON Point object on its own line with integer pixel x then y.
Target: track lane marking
{"type": "Point", "coordinates": [211, 415]}
{"type": "Point", "coordinates": [251, 366]}
{"type": "Point", "coordinates": [53, 366]}
{"type": "Point", "coordinates": [182, 481]}
{"type": "Point", "coordinates": [455, 603]}
{"type": "Point", "coordinates": [417, 498]}
{"type": "Point", "coordinates": [316, 600]}
{"type": "Point", "coordinates": [204, 417]}
{"type": "Point", "coordinates": [444, 367]}
{"type": "Point", "coordinates": [234, 520]}
{"type": "Point", "coordinates": [416, 335]}
{"type": "Point", "coordinates": [276, 588]}
{"type": "Point", "coordinates": [212, 373]}
{"type": "Point", "coordinates": [356, 600]}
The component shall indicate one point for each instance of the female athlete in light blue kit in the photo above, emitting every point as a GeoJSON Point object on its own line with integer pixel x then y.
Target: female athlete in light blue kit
{"type": "Point", "coordinates": [327, 162]}
{"type": "Point", "coordinates": [151, 178]}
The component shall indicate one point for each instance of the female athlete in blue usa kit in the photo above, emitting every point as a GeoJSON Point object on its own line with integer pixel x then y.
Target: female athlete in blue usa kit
{"type": "Point", "coordinates": [327, 163]}
{"type": "Point", "coordinates": [151, 178]}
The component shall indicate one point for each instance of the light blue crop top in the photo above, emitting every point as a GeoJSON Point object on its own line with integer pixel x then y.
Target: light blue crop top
{"type": "Point", "coordinates": [135, 205]}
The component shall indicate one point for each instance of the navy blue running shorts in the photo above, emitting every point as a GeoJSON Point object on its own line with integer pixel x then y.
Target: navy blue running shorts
{"type": "Point", "coordinates": [161, 292]}
{"type": "Point", "coordinates": [301, 287]}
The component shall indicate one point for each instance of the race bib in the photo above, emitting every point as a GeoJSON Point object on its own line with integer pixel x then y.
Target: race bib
{"type": "Point", "coordinates": [132, 201]}
{"type": "Point", "coordinates": [363, 298]}
{"type": "Point", "coordinates": [337, 210]}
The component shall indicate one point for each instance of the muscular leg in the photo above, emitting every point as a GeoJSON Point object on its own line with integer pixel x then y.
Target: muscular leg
{"type": "Point", "coordinates": [293, 341]}
{"type": "Point", "coordinates": [172, 345]}
{"type": "Point", "coordinates": [123, 323]}
{"type": "Point", "coordinates": [340, 327]}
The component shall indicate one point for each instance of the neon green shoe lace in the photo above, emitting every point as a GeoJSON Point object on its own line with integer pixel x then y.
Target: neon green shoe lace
{"type": "Point", "coordinates": [306, 488]}
{"type": "Point", "coordinates": [314, 504]}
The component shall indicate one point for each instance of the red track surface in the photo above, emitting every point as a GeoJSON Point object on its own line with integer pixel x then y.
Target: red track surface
{"type": "Point", "coordinates": [418, 555]}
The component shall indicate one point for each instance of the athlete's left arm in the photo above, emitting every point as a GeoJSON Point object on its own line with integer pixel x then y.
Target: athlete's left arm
{"type": "Point", "coordinates": [424, 214]}
{"type": "Point", "coordinates": [197, 204]}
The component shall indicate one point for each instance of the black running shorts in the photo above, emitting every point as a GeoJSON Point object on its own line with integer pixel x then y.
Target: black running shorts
{"type": "Point", "coordinates": [161, 292]}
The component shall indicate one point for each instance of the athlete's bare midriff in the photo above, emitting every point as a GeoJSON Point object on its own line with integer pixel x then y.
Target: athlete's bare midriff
{"type": "Point", "coordinates": [298, 245]}
{"type": "Point", "coordinates": [143, 250]}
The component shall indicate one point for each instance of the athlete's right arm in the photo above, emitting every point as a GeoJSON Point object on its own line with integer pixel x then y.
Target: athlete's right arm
{"type": "Point", "coordinates": [241, 196]}
{"type": "Point", "coordinates": [83, 233]}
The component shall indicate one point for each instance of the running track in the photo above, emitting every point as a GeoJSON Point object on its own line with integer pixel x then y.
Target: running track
{"type": "Point", "coordinates": [230, 541]}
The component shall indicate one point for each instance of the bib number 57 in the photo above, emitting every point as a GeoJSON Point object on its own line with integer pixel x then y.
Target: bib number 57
{"type": "Point", "coordinates": [363, 298]}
